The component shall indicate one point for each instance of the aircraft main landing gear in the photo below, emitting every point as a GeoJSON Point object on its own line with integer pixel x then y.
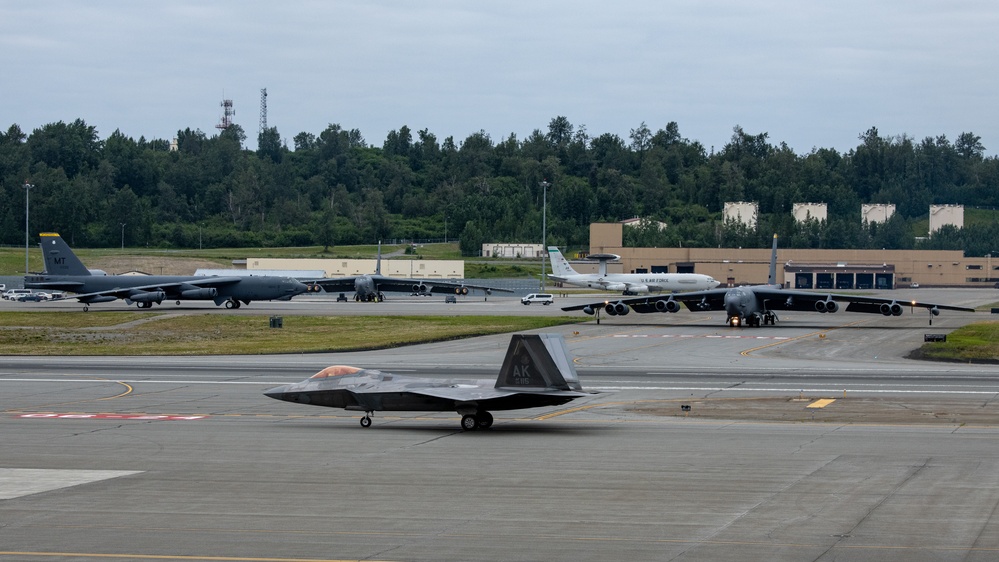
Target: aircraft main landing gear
{"type": "Point", "coordinates": [232, 303]}
{"type": "Point", "coordinates": [366, 420]}
{"type": "Point", "coordinates": [478, 420]}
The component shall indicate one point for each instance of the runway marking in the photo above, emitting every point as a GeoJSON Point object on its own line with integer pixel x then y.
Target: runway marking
{"type": "Point", "coordinates": [710, 336]}
{"type": "Point", "coordinates": [175, 557]}
{"type": "Point", "coordinates": [153, 417]}
{"type": "Point", "coordinates": [822, 403]}
{"type": "Point", "coordinates": [821, 333]}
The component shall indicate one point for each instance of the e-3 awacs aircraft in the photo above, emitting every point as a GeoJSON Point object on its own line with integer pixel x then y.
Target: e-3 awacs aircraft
{"type": "Point", "coordinates": [372, 288]}
{"type": "Point", "coordinates": [536, 372]}
{"type": "Point", "coordinates": [757, 305]}
{"type": "Point", "coordinates": [65, 272]}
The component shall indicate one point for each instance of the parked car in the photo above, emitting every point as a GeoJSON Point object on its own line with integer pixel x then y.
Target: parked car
{"type": "Point", "coordinates": [450, 298]}
{"type": "Point", "coordinates": [12, 294]}
{"type": "Point", "coordinates": [544, 298]}
{"type": "Point", "coordinates": [31, 297]}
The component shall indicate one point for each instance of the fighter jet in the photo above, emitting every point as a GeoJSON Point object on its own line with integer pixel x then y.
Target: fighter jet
{"type": "Point", "coordinates": [536, 372]}
{"type": "Point", "coordinates": [757, 305]}
{"type": "Point", "coordinates": [65, 272]}
{"type": "Point", "coordinates": [371, 288]}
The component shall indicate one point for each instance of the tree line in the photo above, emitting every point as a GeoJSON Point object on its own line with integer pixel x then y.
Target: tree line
{"type": "Point", "coordinates": [335, 188]}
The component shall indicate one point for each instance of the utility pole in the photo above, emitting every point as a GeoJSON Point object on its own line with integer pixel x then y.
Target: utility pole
{"type": "Point", "coordinates": [544, 235]}
{"type": "Point", "coordinates": [27, 189]}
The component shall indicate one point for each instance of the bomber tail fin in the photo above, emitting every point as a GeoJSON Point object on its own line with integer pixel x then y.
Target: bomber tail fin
{"type": "Point", "coordinates": [560, 265]}
{"type": "Point", "coordinates": [59, 258]}
{"type": "Point", "coordinates": [538, 361]}
{"type": "Point", "coordinates": [773, 265]}
{"type": "Point", "coordinates": [378, 260]}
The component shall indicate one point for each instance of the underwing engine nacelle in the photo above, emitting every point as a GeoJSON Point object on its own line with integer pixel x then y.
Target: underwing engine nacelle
{"type": "Point", "coordinates": [148, 296]}
{"type": "Point", "coordinates": [420, 288]}
{"type": "Point", "coordinates": [667, 306]}
{"type": "Point", "coordinates": [616, 308]}
{"type": "Point", "coordinates": [827, 305]}
{"type": "Point", "coordinates": [205, 293]}
{"type": "Point", "coordinates": [893, 309]}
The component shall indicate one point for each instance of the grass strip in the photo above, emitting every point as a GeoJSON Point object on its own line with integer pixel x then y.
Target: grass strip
{"type": "Point", "coordinates": [56, 333]}
{"type": "Point", "coordinates": [974, 343]}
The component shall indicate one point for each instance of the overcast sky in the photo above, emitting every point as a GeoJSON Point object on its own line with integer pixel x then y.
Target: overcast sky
{"type": "Point", "coordinates": [808, 73]}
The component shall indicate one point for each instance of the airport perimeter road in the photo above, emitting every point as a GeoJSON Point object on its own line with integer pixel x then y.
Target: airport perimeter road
{"type": "Point", "coordinates": [185, 459]}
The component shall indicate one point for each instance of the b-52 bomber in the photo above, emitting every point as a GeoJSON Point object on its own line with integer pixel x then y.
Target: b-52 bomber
{"type": "Point", "coordinates": [65, 272]}
{"type": "Point", "coordinates": [757, 305]}
{"type": "Point", "coordinates": [536, 372]}
{"type": "Point", "coordinates": [372, 287]}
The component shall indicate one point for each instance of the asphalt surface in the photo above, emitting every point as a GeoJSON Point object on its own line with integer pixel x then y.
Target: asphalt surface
{"type": "Point", "coordinates": [183, 458]}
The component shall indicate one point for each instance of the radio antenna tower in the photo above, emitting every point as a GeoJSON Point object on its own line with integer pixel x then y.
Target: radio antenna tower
{"type": "Point", "coordinates": [263, 111]}
{"type": "Point", "coordinates": [227, 114]}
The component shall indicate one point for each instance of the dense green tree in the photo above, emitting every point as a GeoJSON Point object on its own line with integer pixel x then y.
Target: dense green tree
{"type": "Point", "coordinates": [335, 188]}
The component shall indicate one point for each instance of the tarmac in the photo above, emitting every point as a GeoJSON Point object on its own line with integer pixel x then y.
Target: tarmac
{"type": "Point", "coordinates": [812, 440]}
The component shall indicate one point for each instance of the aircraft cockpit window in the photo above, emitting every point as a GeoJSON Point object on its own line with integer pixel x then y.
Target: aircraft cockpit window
{"type": "Point", "coordinates": [335, 371]}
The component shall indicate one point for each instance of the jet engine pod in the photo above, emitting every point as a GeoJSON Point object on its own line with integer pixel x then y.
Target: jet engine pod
{"type": "Point", "coordinates": [896, 309]}
{"type": "Point", "coordinates": [200, 294]}
{"type": "Point", "coordinates": [419, 288]}
{"type": "Point", "coordinates": [620, 308]}
{"type": "Point", "coordinates": [464, 290]}
{"type": "Point", "coordinates": [828, 305]}
{"type": "Point", "coordinates": [667, 306]}
{"type": "Point", "coordinates": [148, 296]}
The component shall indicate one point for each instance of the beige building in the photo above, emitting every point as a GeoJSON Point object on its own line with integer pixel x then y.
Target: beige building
{"type": "Point", "coordinates": [818, 269]}
{"type": "Point", "coordinates": [417, 269]}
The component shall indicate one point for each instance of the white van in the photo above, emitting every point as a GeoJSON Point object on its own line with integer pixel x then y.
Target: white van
{"type": "Point", "coordinates": [12, 294]}
{"type": "Point", "coordinates": [544, 298]}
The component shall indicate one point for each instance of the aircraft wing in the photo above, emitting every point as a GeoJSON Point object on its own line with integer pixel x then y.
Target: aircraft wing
{"type": "Point", "coordinates": [781, 299]}
{"type": "Point", "coordinates": [127, 292]}
{"type": "Point", "coordinates": [695, 301]}
{"type": "Point", "coordinates": [402, 285]}
{"type": "Point", "coordinates": [482, 395]}
{"type": "Point", "coordinates": [338, 284]}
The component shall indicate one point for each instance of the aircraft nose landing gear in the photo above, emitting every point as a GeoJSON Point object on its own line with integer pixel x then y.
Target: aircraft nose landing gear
{"type": "Point", "coordinates": [366, 420]}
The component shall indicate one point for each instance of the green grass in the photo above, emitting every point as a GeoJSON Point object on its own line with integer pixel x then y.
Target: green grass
{"type": "Point", "coordinates": [974, 343]}
{"type": "Point", "coordinates": [58, 333]}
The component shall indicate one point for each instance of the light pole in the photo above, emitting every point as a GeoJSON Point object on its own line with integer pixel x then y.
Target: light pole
{"type": "Point", "coordinates": [27, 189]}
{"type": "Point", "coordinates": [544, 235]}
{"type": "Point", "coordinates": [122, 235]}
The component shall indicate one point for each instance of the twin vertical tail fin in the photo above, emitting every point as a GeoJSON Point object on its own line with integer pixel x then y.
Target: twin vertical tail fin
{"type": "Point", "coordinates": [59, 258]}
{"type": "Point", "coordinates": [538, 361]}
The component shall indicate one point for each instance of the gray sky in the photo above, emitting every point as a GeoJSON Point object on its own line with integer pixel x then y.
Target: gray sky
{"type": "Point", "coordinates": [811, 74]}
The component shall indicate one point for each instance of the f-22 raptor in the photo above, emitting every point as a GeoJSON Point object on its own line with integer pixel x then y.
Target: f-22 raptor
{"type": "Point", "coordinates": [537, 372]}
{"type": "Point", "coordinates": [65, 272]}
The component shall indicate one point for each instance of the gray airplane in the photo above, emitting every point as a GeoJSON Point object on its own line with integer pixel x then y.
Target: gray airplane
{"type": "Point", "coordinates": [371, 288]}
{"type": "Point", "coordinates": [65, 272]}
{"type": "Point", "coordinates": [536, 372]}
{"type": "Point", "coordinates": [757, 305]}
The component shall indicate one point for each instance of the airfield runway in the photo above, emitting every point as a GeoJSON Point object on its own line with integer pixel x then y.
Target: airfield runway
{"type": "Point", "coordinates": [812, 440]}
